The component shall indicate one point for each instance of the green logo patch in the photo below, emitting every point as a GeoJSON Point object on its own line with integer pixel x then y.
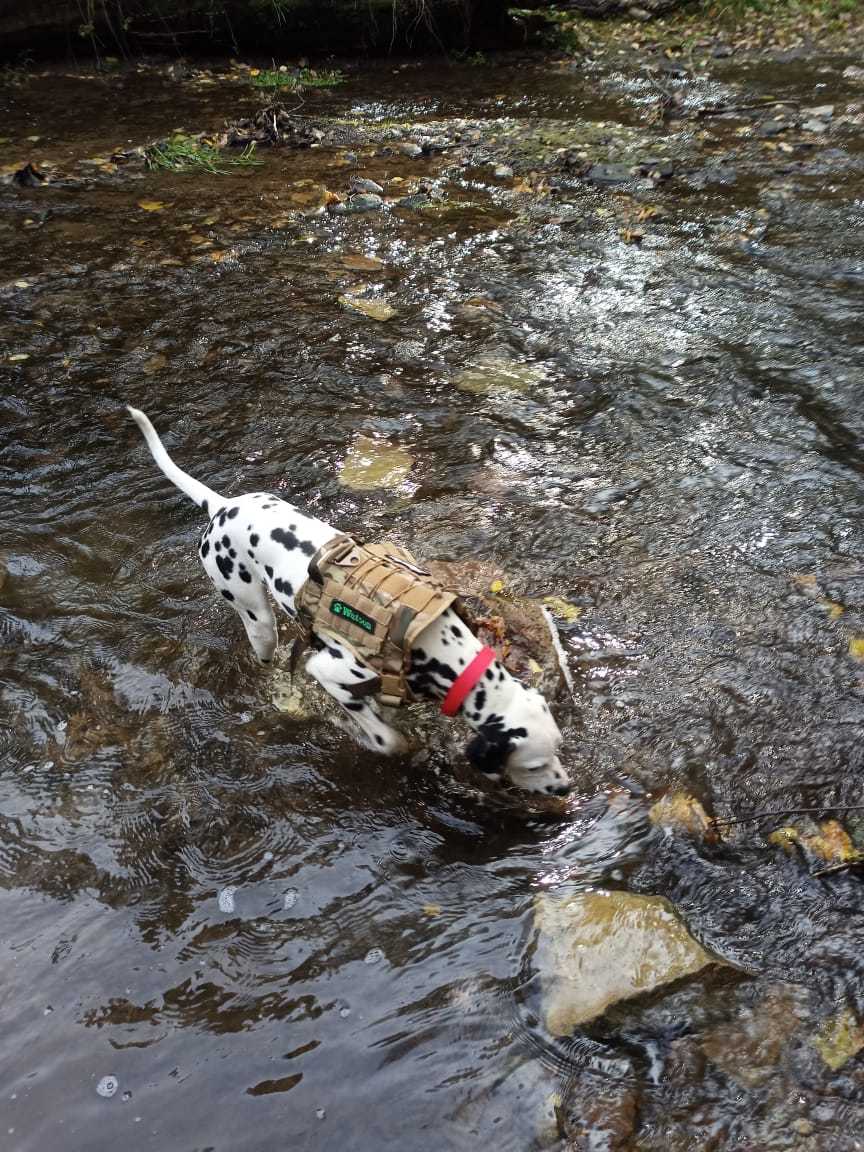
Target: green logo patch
{"type": "Point", "coordinates": [346, 612]}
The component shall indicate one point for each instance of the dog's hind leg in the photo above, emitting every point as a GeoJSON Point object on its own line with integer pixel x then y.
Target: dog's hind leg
{"type": "Point", "coordinates": [343, 678]}
{"type": "Point", "coordinates": [250, 601]}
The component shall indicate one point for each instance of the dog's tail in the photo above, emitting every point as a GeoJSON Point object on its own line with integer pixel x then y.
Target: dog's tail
{"type": "Point", "coordinates": [205, 497]}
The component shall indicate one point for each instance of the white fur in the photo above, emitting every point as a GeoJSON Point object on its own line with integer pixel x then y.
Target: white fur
{"type": "Point", "coordinates": [259, 544]}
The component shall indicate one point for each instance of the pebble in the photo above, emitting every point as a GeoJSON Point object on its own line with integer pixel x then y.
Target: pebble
{"type": "Point", "coordinates": [817, 126]}
{"type": "Point", "coordinates": [610, 174]}
{"type": "Point", "coordinates": [773, 128]}
{"type": "Point", "coordinates": [504, 172]}
{"type": "Point", "coordinates": [821, 112]}
{"type": "Point", "coordinates": [107, 1086]}
{"type": "Point", "coordinates": [362, 202]}
{"type": "Point", "coordinates": [412, 151]}
{"type": "Point", "coordinates": [226, 898]}
{"type": "Point", "coordinates": [361, 184]}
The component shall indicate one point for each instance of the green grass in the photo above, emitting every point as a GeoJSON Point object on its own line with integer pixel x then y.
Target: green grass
{"type": "Point", "coordinates": [272, 79]}
{"type": "Point", "coordinates": [186, 154]}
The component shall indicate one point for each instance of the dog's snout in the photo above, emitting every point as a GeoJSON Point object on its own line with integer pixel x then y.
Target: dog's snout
{"type": "Point", "coordinates": [560, 789]}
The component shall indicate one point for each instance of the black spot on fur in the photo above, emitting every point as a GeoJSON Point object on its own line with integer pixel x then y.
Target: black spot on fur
{"type": "Point", "coordinates": [354, 705]}
{"type": "Point", "coordinates": [218, 546]}
{"type": "Point", "coordinates": [283, 586]}
{"type": "Point", "coordinates": [379, 739]}
{"type": "Point", "coordinates": [228, 595]}
{"type": "Point", "coordinates": [334, 652]}
{"type": "Point", "coordinates": [358, 672]}
{"type": "Point", "coordinates": [226, 542]}
{"type": "Point", "coordinates": [205, 548]}
{"type": "Point", "coordinates": [479, 701]}
{"type": "Point", "coordinates": [204, 507]}
{"type": "Point", "coordinates": [286, 539]}
{"type": "Point", "coordinates": [490, 675]}
{"type": "Point", "coordinates": [232, 553]}
{"type": "Point", "coordinates": [250, 553]}
{"type": "Point", "coordinates": [253, 539]}
{"type": "Point", "coordinates": [244, 575]}
{"type": "Point", "coordinates": [251, 615]}
{"type": "Point", "coordinates": [308, 548]}
{"type": "Point", "coordinates": [233, 513]}
{"type": "Point", "coordinates": [455, 629]}
{"type": "Point", "coordinates": [225, 566]}
{"type": "Point", "coordinates": [268, 570]}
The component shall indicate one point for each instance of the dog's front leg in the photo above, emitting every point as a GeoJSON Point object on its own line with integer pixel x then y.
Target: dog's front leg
{"type": "Point", "coordinates": [346, 679]}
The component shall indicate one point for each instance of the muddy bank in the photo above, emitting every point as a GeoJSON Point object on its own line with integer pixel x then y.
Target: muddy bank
{"type": "Point", "coordinates": [60, 28]}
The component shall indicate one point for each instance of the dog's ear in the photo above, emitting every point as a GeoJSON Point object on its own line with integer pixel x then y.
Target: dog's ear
{"type": "Point", "coordinates": [488, 755]}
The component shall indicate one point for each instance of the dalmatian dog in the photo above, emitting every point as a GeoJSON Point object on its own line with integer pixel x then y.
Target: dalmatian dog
{"type": "Point", "coordinates": [256, 549]}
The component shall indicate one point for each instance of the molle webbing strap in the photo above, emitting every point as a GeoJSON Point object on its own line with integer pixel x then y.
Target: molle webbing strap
{"type": "Point", "coordinates": [376, 600]}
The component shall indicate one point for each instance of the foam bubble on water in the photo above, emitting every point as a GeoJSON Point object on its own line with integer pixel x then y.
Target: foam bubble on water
{"type": "Point", "coordinates": [320, 1113]}
{"type": "Point", "coordinates": [289, 899]}
{"type": "Point", "coordinates": [226, 898]}
{"type": "Point", "coordinates": [107, 1086]}
{"type": "Point", "coordinates": [373, 956]}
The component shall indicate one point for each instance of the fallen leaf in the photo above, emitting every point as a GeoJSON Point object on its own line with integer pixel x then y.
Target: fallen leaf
{"type": "Point", "coordinates": [432, 909]}
{"type": "Point", "coordinates": [496, 587]}
{"type": "Point", "coordinates": [833, 609]}
{"type": "Point", "coordinates": [151, 205]}
{"type": "Point", "coordinates": [827, 843]}
{"type": "Point", "coordinates": [856, 647]}
{"type": "Point", "coordinates": [22, 283]}
{"type": "Point", "coordinates": [682, 811]}
{"type": "Point", "coordinates": [17, 357]}
{"type": "Point", "coordinates": [374, 309]}
{"type": "Point", "coordinates": [563, 608]}
{"type": "Point", "coordinates": [372, 463]}
{"type": "Point", "coordinates": [839, 1039]}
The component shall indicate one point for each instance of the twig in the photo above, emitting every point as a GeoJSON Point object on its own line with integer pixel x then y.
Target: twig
{"type": "Point", "coordinates": [724, 108]}
{"type": "Point", "coordinates": [766, 815]}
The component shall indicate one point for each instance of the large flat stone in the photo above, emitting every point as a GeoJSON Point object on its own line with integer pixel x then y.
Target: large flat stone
{"type": "Point", "coordinates": [598, 948]}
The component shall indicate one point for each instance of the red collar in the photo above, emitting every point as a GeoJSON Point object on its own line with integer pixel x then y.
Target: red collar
{"type": "Point", "coordinates": [467, 681]}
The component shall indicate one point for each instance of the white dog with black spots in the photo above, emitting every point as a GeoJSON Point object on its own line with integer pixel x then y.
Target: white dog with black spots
{"type": "Point", "coordinates": [258, 544]}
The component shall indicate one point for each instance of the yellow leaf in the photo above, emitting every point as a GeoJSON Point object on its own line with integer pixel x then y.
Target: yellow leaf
{"type": "Point", "coordinates": [682, 811]}
{"type": "Point", "coordinates": [22, 283]}
{"type": "Point", "coordinates": [496, 587]}
{"type": "Point", "coordinates": [563, 608]}
{"type": "Point", "coordinates": [839, 1039]}
{"type": "Point", "coordinates": [254, 71]}
{"type": "Point", "coordinates": [374, 309]}
{"type": "Point", "coordinates": [17, 357]}
{"type": "Point", "coordinates": [833, 609]}
{"type": "Point", "coordinates": [151, 205]}
{"type": "Point", "coordinates": [856, 647]}
{"type": "Point", "coordinates": [432, 909]}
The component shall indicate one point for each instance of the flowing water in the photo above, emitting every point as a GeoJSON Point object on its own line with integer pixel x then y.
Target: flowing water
{"type": "Point", "coordinates": [223, 926]}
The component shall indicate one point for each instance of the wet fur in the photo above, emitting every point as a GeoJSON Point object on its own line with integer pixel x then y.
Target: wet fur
{"type": "Point", "coordinates": [256, 550]}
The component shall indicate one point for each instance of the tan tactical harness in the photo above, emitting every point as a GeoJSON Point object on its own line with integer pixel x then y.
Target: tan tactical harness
{"type": "Point", "coordinates": [374, 599]}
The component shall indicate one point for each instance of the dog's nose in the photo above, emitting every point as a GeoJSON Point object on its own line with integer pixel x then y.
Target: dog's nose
{"type": "Point", "coordinates": [563, 790]}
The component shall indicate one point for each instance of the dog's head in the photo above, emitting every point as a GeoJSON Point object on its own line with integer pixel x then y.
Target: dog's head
{"type": "Point", "coordinates": [522, 746]}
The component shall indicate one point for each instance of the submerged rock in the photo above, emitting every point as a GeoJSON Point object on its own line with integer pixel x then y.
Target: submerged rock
{"type": "Point", "coordinates": [749, 1049]}
{"type": "Point", "coordinates": [360, 202]}
{"type": "Point", "coordinates": [597, 948]}
{"type": "Point", "coordinates": [610, 174]}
